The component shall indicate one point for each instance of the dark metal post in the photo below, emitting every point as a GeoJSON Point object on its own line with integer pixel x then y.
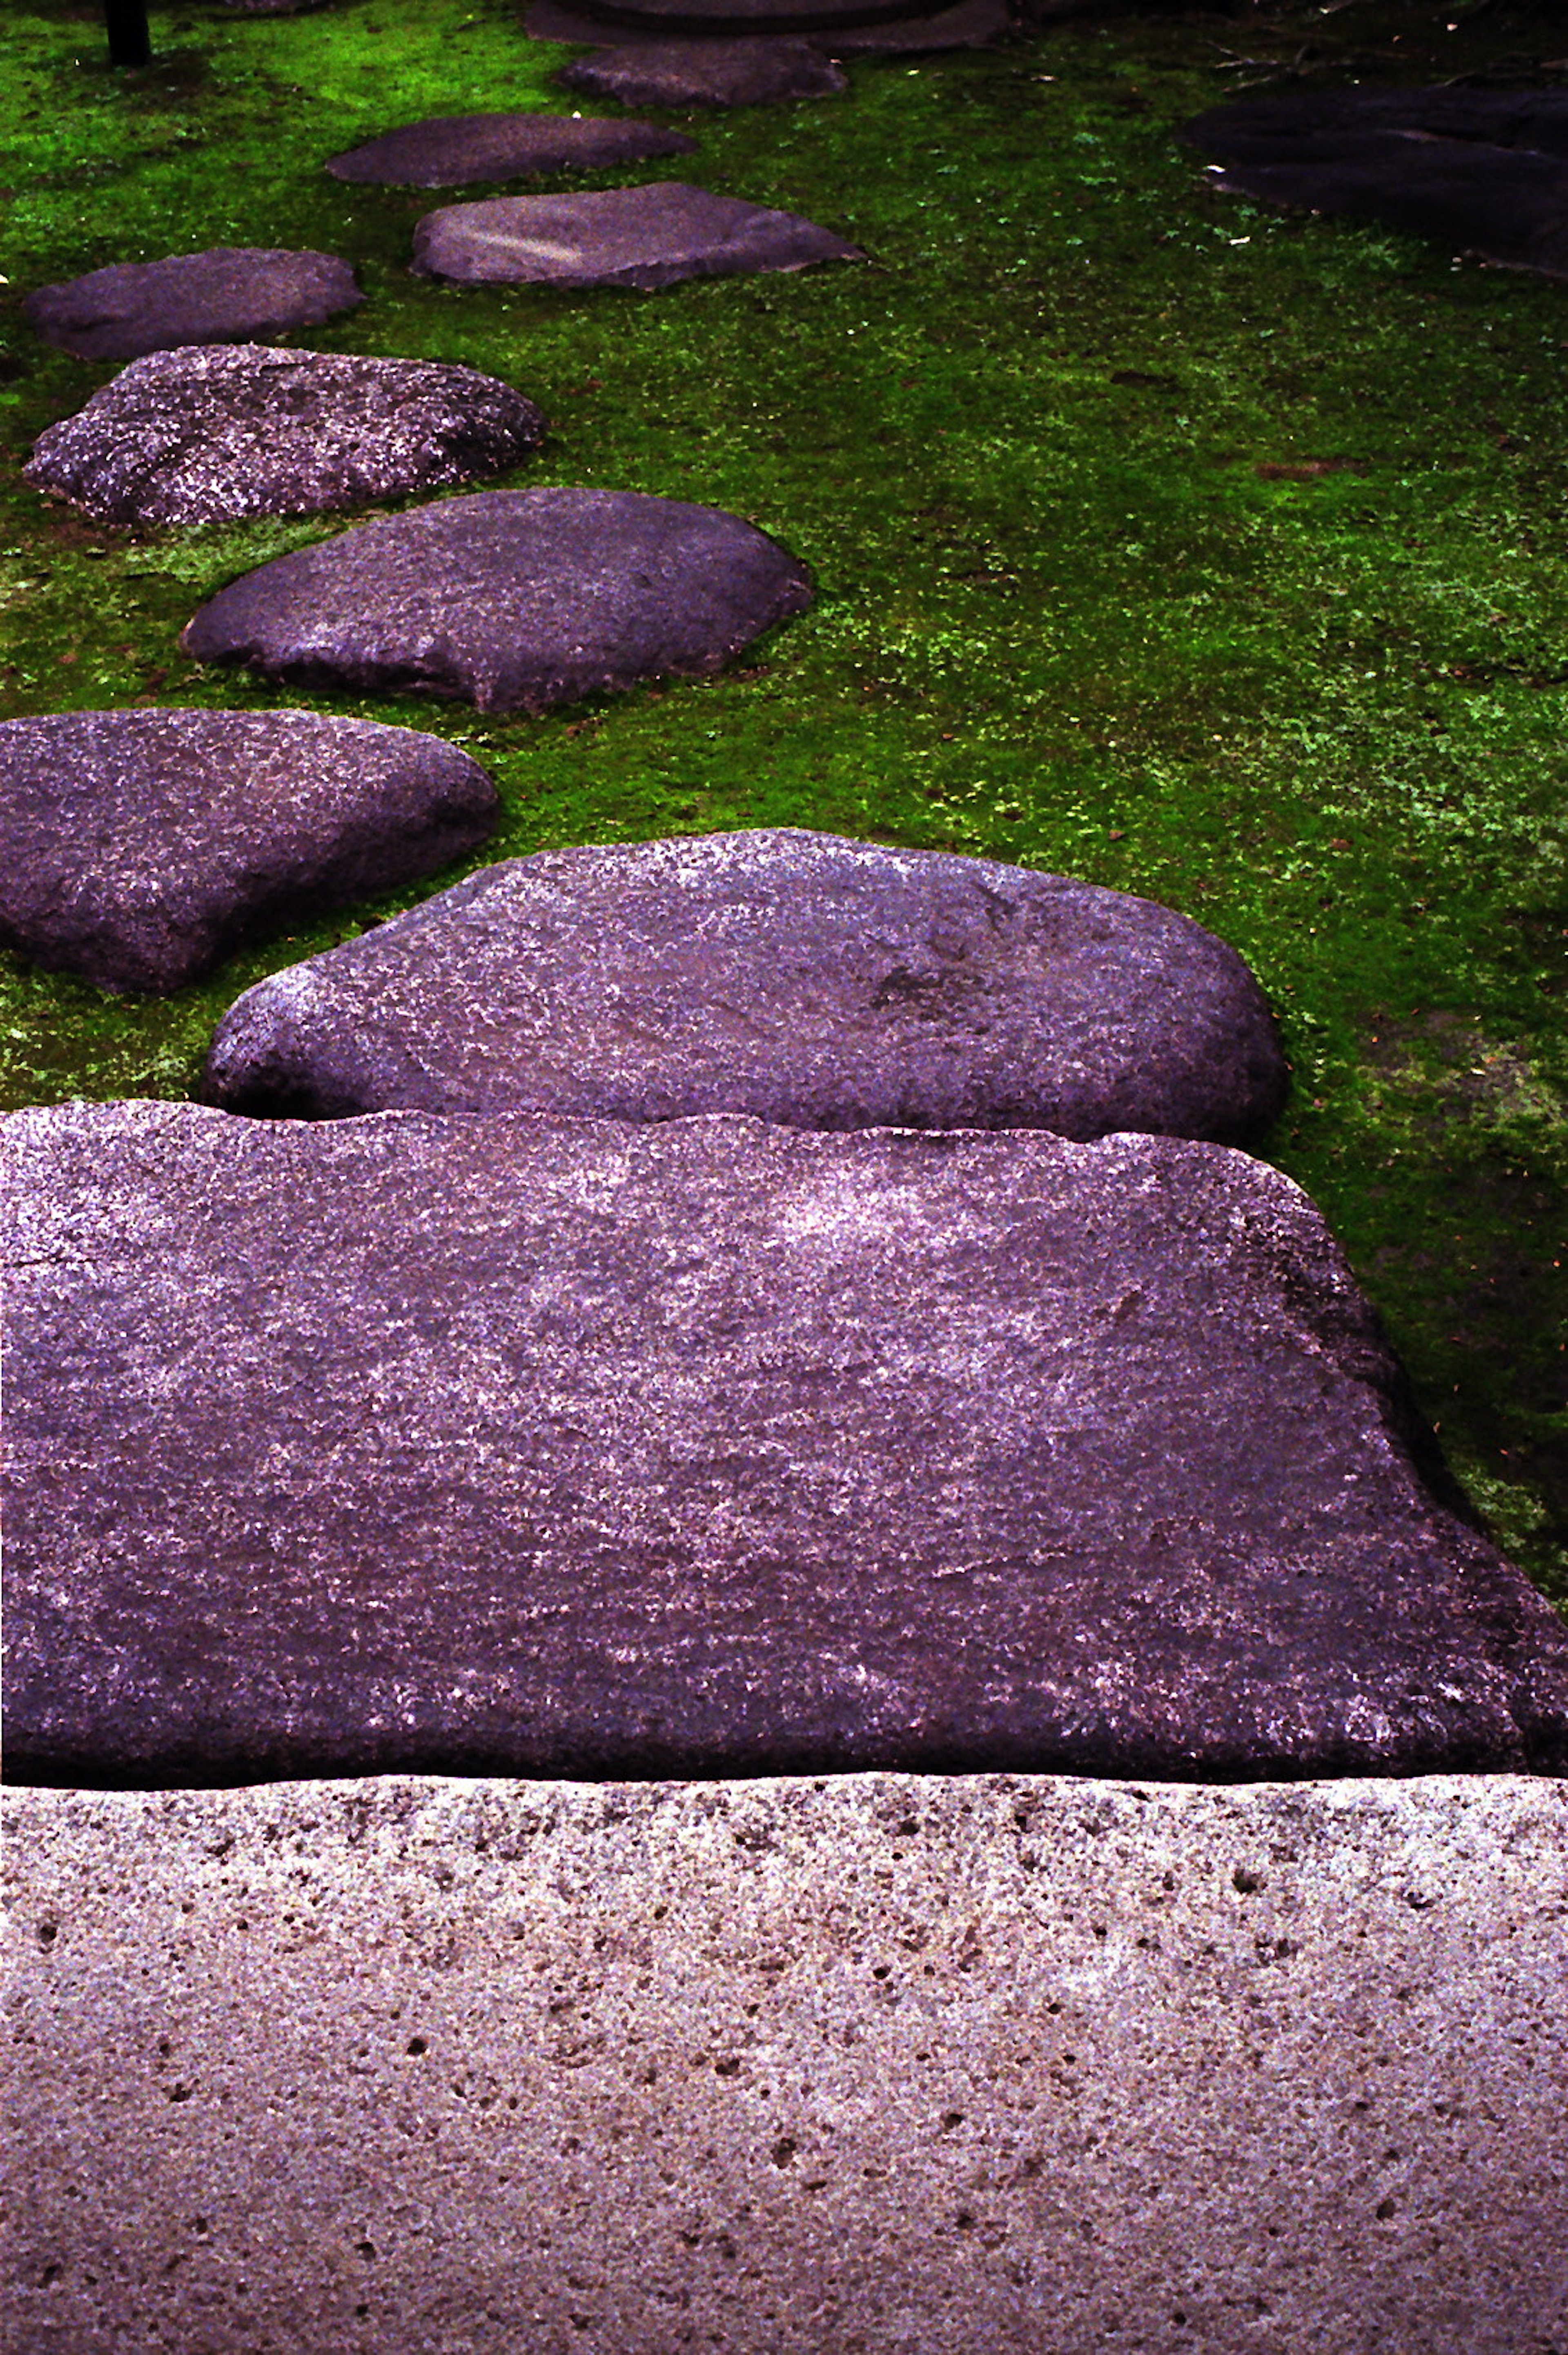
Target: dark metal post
{"type": "Point", "coordinates": [128, 42]}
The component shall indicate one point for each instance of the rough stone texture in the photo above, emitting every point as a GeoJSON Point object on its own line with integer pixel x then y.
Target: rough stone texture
{"type": "Point", "coordinates": [988, 2066]}
{"type": "Point", "coordinates": [826, 984]}
{"type": "Point", "coordinates": [451, 149]}
{"type": "Point", "coordinates": [515, 599]}
{"type": "Point", "coordinates": [232, 295]}
{"type": "Point", "coordinates": [706, 73]}
{"type": "Point", "coordinates": [710, 1447]}
{"type": "Point", "coordinates": [137, 847]}
{"type": "Point", "coordinates": [971, 25]}
{"type": "Point", "coordinates": [641, 239]}
{"type": "Point", "coordinates": [211, 432]}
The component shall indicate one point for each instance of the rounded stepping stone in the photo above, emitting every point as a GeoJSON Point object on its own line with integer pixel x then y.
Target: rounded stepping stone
{"type": "Point", "coordinates": [211, 432]}
{"type": "Point", "coordinates": [705, 1447]}
{"type": "Point", "coordinates": [638, 238]}
{"type": "Point", "coordinates": [726, 17]}
{"type": "Point", "coordinates": [970, 24]}
{"type": "Point", "coordinates": [231, 295]}
{"type": "Point", "coordinates": [706, 73]}
{"type": "Point", "coordinates": [137, 847]}
{"type": "Point", "coordinates": [453, 148]}
{"type": "Point", "coordinates": [515, 599]}
{"type": "Point", "coordinates": [822, 983]}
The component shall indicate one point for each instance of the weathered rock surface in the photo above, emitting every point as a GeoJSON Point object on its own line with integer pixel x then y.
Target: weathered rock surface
{"type": "Point", "coordinates": [971, 25]}
{"type": "Point", "coordinates": [231, 295]}
{"type": "Point", "coordinates": [822, 983]}
{"type": "Point", "coordinates": [711, 1447]}
{"type": "Point", "coordinates": [761, 73]}
{"type": "Point", "coordinates": [211, 432]}
{"type": "Point", "coordinates": [516, 599]}
{"type": "Point", "coordinates": [916, 2065]}
{"type": "Point", "coordinates": [641, 239]}
{"type": "Point", "coordinates": [451, 149]}
{"type": "Point", "coordinates": [137, 847]}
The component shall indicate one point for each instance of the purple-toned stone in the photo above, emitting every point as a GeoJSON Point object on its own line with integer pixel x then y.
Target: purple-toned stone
{"type": "Point", "coordinates": [710, 1447]}
{"type": "Point", "coordinates": [136, 848]}
{"type": "Point", "coordinates": [452, 149]}
{"type": "Point", "coordinates": [759, 72]}
{"type": "Point", "coordinates": [515, 599]}
{"type": "Point", "coordinates": [822, 983]}
{"type": "Point", "coordinates": [641, 238]}
{"type": "Point", "coordinates": [969, 24]}
{"type": "Point", "coordinates": [231, 295]}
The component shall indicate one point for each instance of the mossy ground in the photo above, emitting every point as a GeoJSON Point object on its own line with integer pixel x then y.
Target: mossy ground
{"type": "Point", "coordinates": [1207, 553]}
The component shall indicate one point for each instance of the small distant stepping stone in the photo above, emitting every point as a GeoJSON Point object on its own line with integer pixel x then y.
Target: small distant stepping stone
{"type": "Point", "coordinates": [637, 238]}
{"type": "Point", "coordinates": [761, 73]}
{"type": "Point", "coordinates": [849, 30]}
{"type": "Point", "coordinates": [821, 982]}
{"type": "Point", "coordinates": [230, 294]}
{"type": "Point", "coordinates": [515, 599]}
{"type": "Point", "coordinates": [451, 149]}
{"type": "Point", "coordinates": [211, 432]}
{"type": "Point", "coordinates": [136, 848]}
{"type": "Point", "coordinates": [584, 1448]}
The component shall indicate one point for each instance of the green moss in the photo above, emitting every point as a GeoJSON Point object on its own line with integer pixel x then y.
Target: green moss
{"type": "Point", "coordinates": [1064, 617]}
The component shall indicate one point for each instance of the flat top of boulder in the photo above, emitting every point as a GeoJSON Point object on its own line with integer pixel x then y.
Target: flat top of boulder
{"type": "Point", "coordinates": [137, 847]}
{"type": "Point", "coordinates": [707, 1446]}
{"type": "Point", "coordinates": [819, 982]}
{"type": "Point", "coordinates": [451, 149]}
{"type": "Point", "coordinates": [516, 599]}
{"type": "Point", "coordinates": [756, 72]}
{"type": "Point", "coordinates": [637, 238]}
{"type": "Point", "coordinates": [210, 431]}
{"type": "Point", "coordinates": [232, 293]}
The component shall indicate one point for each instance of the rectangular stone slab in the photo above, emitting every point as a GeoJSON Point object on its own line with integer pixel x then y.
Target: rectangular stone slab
{"type": "Point", "coordinates": [512, 1444]}
{"type": "Point", "coordinates": [986, 2066]}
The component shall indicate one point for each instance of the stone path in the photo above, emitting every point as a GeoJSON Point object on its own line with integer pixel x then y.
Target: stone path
{"type": "Point", "coordinates": [640, 239]}
{"type": "Point", "coordinates": [136, 848]}
{"type": "Point", "coordinates": [826, 984]}
{"type": "Point", "coordinates": [213, 432]}
{"type": "Point", "coordinates": [230, 294]}
{"type": "Point", "coordinates": [756, 72]}
{"type": "Point", "coordinates": [451, 149]}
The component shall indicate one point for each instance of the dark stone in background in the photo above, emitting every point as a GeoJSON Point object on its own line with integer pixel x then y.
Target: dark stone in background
{"type": "Point", "coordinates": [1296, 125]}
{"type": "Point", "coordinates": [822, 983]}
{"type": "Point", "coordinates": [708, 1447]}
{"type": "Point", "coordinates": [641, 239]}
{"type": "Point", "coordinates": [233, 293]}
{"type": "Point", "coordinates": [706, 73]}
{"type": "Point", "coordinates": [453, 148]}
{"type": "Point", "coordinates": [137, 847]}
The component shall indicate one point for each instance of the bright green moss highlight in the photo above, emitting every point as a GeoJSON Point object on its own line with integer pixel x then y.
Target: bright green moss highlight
{"type": "Point", "coordinates": [1064, 619]}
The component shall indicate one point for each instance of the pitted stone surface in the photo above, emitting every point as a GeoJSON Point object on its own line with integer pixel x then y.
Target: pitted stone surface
{"type": "Point", "coordinates": [706, 73]}
{"type": "Point", "coordinates": [453, 148]}
{"type": "Point", "coordinates": [137, 847]}
{"type": "Point", "coordinates": [212, 431]}
{"type": "Point", "coordinates": [641, 239]}
{"type": "Point", "coordinates": [515, 599]}
{"type": "Point", "coordinates": [916, 2065]}
{"type": "Point", "coordinates": [231, 295]}
{"type": "Point", "coordinates": [823, 983]}
{"type": "Point", "coordinates": [503, 1445]}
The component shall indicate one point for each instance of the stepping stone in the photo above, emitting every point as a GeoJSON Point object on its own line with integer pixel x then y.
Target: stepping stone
{"type": "Point", "coordinates": [212, 431]}
{"type": "Point", "coordinates": [515, 599]}
{"type": "Point", "coordinates": [762, 72]}
{"type": "Point", "coordinates": [511, 1445]}
{"type": "Point", "coordinates": [454, 148]}
{"type": "Point", "coordinates": [821, 982]}
{"type": "Point", "coordinates": [1300, 125]}
{"type": "Point", "coordinates": [137, 847]}
{"type": "Point", "coordinates": [638, 238]}
{"type": "Point", "coordinates": [232, 295]}
{"type": "Point", "coordinates": [970, 24]}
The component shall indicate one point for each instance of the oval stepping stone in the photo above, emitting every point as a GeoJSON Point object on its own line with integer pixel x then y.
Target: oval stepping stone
{"type": "Point", "coordinates": [969, 24]}
{"type": "Point", "coordinates": [211, 432]}
{"type": "Point", "coordinates": [516, 599]}
{"type": "Point", "coordinates": [637, 238]}
{"type": "Point", "coordinates": [706, 73]}
{"type": "Point", "coordinates": [798, 18]}
{"type": "Point", "coordinates": [453, 148]}
{"type": "Point", "coordinates": [137, 847]}
{"type": "Point", "coordinates": [231, 295]}
{"type": "Point", "coordinates": [578, 1448]}
{"type": "Point", "coordinates": [817, 982]}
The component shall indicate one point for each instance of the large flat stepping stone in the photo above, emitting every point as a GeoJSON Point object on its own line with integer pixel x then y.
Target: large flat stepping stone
{"type": "Point", "coordinates": [231, 295]}
{"type": "Point", "coordinates": [451, 149]}
{"type": "Point", "coordinates": [969, 24]}
{"type": "Point", "coordinates": [641, 238]}
{"type": "Point", "coordinates": [515, 599]}
{"type": "Point", "coordinates": [759, 72]}
{"type": "Point", "coordinates": [822, 983]}
{"type": "Point", "coordinates": [212, 431]}
{"type": "Point", "coordinates": [512, 1445]}
{"type": "Point", "coordinates": [136, 848]}
{"type": "Point", "coordinates": [998, 2065]}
